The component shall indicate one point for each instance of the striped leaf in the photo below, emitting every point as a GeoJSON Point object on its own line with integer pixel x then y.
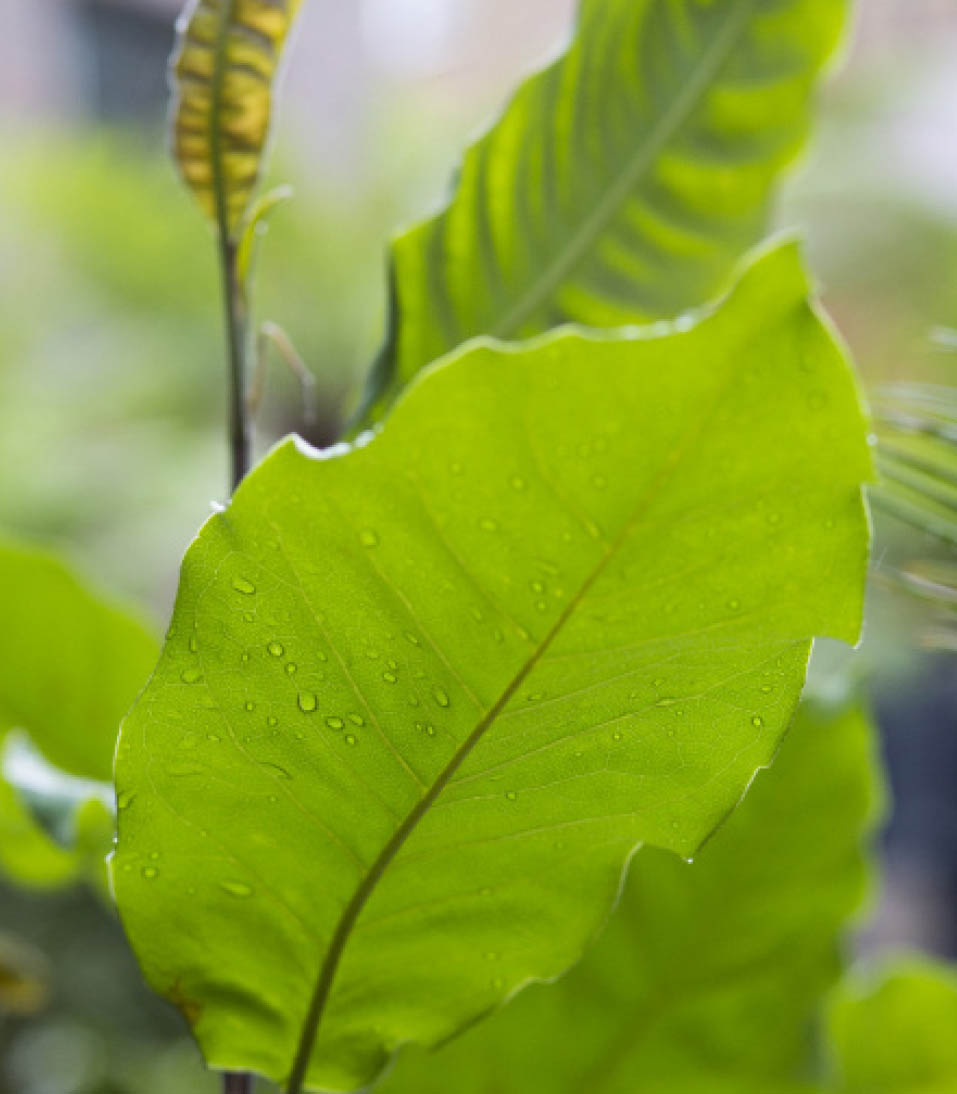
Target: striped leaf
{"type": "Point", "coordinates": [621, 184]}
{"type": "Point", "coordinates": [223, 71]}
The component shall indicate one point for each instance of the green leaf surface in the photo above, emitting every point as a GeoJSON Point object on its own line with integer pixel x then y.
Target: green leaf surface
{"type": "Point", "coordinates": [709, 976]}
{"type": "Point", "coordinates": [622, 184]}
{"type": "Point", "coordinates": [71, 665]}
{"type": "Point", "coordinates": [424, 697]}
{"type": "Point", "coordinates": [894, 1033]}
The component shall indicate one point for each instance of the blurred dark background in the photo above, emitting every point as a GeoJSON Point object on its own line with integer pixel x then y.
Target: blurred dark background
{"type": "Point", "coordinates": [111, 366]}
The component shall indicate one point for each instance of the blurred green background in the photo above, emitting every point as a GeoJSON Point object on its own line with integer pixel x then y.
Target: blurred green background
{"type": "Point", "coordinates": [112, 387]}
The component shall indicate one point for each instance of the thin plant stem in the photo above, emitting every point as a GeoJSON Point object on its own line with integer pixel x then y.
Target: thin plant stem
{"type": "Point", "coordinates": [237, 1082]}
{"type": "Point", "coordinates": [239, 427]}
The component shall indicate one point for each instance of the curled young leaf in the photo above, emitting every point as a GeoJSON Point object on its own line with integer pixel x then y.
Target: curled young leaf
{"type": "Point", "coordinates": [424, 697]}
{"type": "Point", "coordinates": [223, 73]}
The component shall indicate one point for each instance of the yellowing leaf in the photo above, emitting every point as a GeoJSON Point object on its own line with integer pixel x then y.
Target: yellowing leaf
{"type": "Point", "coordinates": [224, 68]}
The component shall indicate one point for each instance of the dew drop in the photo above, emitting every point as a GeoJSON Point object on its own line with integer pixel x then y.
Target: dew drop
{"type": "Point", "coordinates": [291, 668]}
{"type": "Point", "coordinates": [307, 702]}
{"type": "Point", "coordinates": [149, 872]}
{"type": "Point", "coordinates": [193, 643]}
{"type": "Point", "coordinates": [757, 721]}
{"type": "Point", "coordinates": [335, 723]}
{"type": "Point", "coordinates": [767, 688]}
{"type": "Point", "coordinates": [124, 800]}
{"type": "Point", "coordinates": [511, 795]}
{"type": "Point", "coordinates": [248, 617]}
{"type": "Point", "coordinates": [617, 736]}
{"type": "Point", "coordinates": [190, 676]}
{"type": "Point", "coordinates": [430, 730]}
{"type": "Point", "coordinates": [536, 587]}
{"type": "Point", "coordinates": [275, 649]}
{"type": "Point", "coordinates": [734, 605]}
{"type": "Point", "coordinates": [368, 538]}
{"type": "Point", "coordinates": [389, 677]}
{"type": "Point", "coordinates": [351, 739]}
{"type": "Point", "coordinates": [249, 705]}
{"type": "Point", "coordinates": [214, 738]}
{"type": "Point", "coordinates": [244, 657]}
{"type": "Point", "coordinates": [272, 720]}
{"type": "Point", "coordinates": [411, 638]}
{"type": "Point", "coordinates": [441, 697]}
{"type": "Point", "coordinates": [357, 719]}
{"type": "Point", "coordinates": [666, 702]}
{"type": "Point", "coordinates": [238, 889]}
{"type": "Point", "coordinates": [241, 585]}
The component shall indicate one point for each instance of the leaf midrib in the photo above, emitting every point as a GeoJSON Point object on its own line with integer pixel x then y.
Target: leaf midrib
{"type": "Point", "coordinates": [217, 86]}
{"type": "Point", "coordinates": [353, 910]}
{"type": "Point", "coordinates": [603, 213]}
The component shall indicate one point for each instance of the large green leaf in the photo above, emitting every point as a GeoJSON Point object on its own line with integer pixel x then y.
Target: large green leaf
{"type": "Point", "coordinates": [708, 977]}
{"type": "Point", "coordinates": [894, 1033]}
{"type": "Point", "coordinates": [71, 665]}
{"type": "Point", "coordinates": [424, 697]}
{"type": "Point", "coordinates": [622, 183]}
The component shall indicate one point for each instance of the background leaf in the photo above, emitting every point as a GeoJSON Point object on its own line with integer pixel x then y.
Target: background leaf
{"type": "Point", "coordinates": [448, 681]}
{"type": "Point", "coordinates": [71, 664]}
{"type": "Point", "coordinates": [224, 68]}
{"type": "Point", "coordinates": [709, 976]}
{"type": "Point", "coordinates": [894, 1032]}
{"type": "Point", "coordinates": [622, 184]}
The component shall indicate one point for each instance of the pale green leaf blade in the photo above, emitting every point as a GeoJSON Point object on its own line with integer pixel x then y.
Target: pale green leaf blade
{"type": "Point", "coordinates": [709, 976]}
{"type": "Point", "coordinates": [71, 664]}
{"type": "Point", "coordinates": [894, 1033]}
{"type": "Point", "coordinates": [622, 184]}
{"type": "Point", "coordinates": [425, 696]}
{"type": "Point", "coordinates": [224, 69]}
